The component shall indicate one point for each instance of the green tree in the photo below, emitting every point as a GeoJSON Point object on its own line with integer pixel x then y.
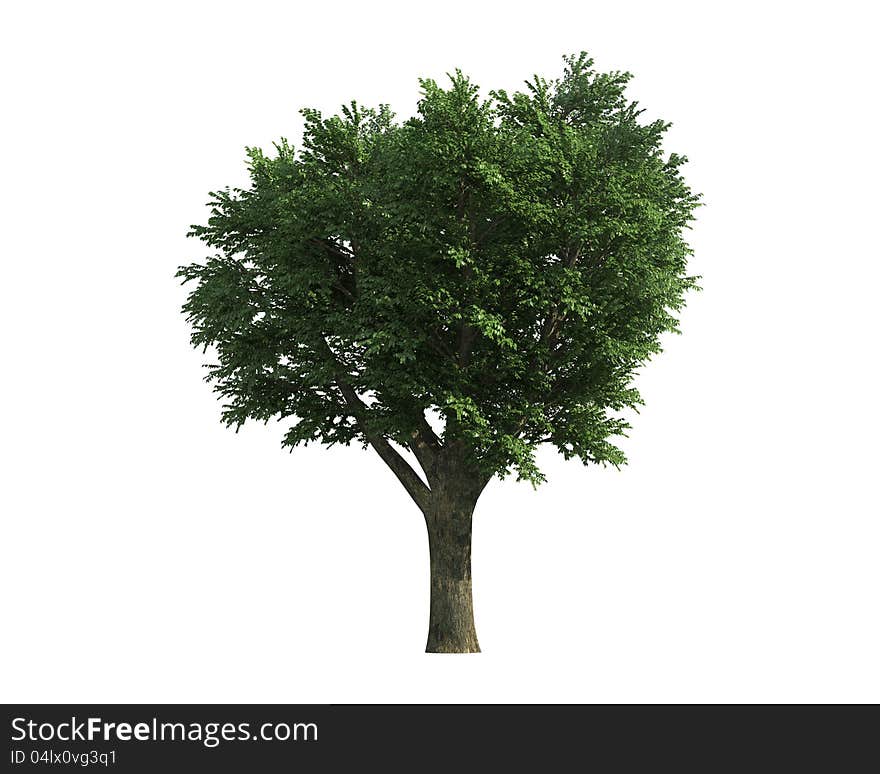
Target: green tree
{"type": "Point", "coordinates": [500, 266]}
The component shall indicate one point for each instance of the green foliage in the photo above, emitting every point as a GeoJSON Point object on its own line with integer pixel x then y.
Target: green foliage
{"type": "Point", "coordinates": [508, 262]}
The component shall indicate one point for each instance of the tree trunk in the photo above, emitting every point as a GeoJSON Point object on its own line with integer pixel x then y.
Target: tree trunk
{"type": "Point", "coordinates": [451, 626]}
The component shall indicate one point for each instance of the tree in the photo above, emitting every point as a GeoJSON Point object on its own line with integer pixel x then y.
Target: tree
{"type": "Point", "coordinates": [464, 286]}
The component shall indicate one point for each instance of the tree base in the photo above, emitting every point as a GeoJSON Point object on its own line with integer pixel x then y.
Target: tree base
{"type": "Point", "coordinates": [452, 648]}
{"type": "Point", "coordinates": [451, 628]}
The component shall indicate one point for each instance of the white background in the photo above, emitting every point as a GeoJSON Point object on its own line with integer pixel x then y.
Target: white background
{"type": "Point", "coordinates": [149, 554]}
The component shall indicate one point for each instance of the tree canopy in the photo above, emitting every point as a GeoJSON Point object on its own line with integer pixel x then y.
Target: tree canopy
{"type": "Point", "coordinates": [504, 262]}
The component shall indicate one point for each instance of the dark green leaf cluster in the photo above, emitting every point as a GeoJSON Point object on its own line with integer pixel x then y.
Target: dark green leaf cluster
{"type": "Point", "coordinates": [506, 262]}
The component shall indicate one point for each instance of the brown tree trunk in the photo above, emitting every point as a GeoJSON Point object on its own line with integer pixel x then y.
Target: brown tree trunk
{"type": "Point", "coordinates": [451, 627]}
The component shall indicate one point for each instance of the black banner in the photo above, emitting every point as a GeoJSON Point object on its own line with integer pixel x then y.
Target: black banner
{"type": "Point", "coordinates": [151, 738]}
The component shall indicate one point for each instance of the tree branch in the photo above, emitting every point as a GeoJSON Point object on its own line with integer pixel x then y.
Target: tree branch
{"type": "Point", "coordinates": [426, 447]}
{"type": "Point", "coordinates": [391, 457]}
{"type": "Point", "coordinates": [553, 320]}
{"type": "Point", "coordinates": [332, 246]}
{"type": "Point", "coordinates": [440, 347]}
{"type": "Point", "coordinates": [345, 266]}
{"type": "Point", "coordinates": [414, 486]}
{"type": "Point", "coordinates": [467, 335]}
{"type": "Point", "coordinates": [489, 229]}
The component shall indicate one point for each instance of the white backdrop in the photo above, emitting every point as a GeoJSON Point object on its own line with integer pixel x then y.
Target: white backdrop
{"type": "Point", "coordinates": [149, 554]}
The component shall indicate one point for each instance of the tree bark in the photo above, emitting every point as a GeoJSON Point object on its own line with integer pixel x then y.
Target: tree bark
{"type": "Point", "coordinates": [451, 626]}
